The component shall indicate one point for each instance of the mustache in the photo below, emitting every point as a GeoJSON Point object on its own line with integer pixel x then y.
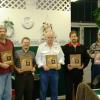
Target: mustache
{"type": "Point", "coordinates": [74, 39]}
{"type": "Point", "coordinates": [3, 35]}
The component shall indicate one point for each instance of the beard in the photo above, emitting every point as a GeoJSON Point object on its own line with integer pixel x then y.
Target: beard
{"type": "Point", "coordinates": [74, 41]}
{"type": "Point", "coordinates": [3, 36]}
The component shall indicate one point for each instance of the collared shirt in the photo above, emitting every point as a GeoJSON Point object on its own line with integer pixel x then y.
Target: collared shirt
{"type": "Point", "coordinates": [69, 49]}
{"type": "Point", "coordinates": [8, 45]}
{"type": "Point", "coordinates": [70, 44]}
{"type": "Point", "coordinates": [44, 50]}
{"type": "Point", "coordinates": [20, 53]}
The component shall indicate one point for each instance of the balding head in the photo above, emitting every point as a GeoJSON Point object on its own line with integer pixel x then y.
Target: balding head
{"type": "Point", "coordinates": [50, 36]}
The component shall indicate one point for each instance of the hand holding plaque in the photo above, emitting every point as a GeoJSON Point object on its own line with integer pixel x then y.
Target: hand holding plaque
{"type": "Point", "coordinates": [51, 61]}
{"type": "Point", "coordinates": [7, 57]}
{"type": "Point", "coordinates": [75, 60]}
{"type": "Point", "coordinates": [26, 63]}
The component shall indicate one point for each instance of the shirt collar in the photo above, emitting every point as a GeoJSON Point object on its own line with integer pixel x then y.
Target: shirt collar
{"type": "Point", "coordinates": [24, 51]}
{"type": "Point", "coordinates": [47, 44]}
{"type": "Point", "coordinates": [70, 44]}
{"type": "Point", "coordinates": [5, 42]}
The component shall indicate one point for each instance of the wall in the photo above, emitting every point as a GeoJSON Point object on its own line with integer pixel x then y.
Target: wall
{"type": "Point", "coordinates": [60, 21]}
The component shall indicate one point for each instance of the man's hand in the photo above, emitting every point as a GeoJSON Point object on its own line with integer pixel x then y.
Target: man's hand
{"type": "Point", "coordinates": [33, 69]}
{"type": "Point", "coordinates": [45, 68]}
{"type": "Point", "coordinates": [4, 65]}
{"type": "Point", "coordinates": [58, 67]}
{"type": "Point", "coordinates": [19, 70]}
{"type": "Point", "coordinates": [81, 67]}
{"type": "Point", "coordinates": [70, 67]}
{"type": "Point", "coordinates": [92, 55]}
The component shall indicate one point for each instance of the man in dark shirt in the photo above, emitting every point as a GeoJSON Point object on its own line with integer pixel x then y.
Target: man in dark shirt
{"type": "Point", "coordinates": [74, 71]}
{"type": "Point", "coordinates": [6, 65]}
{"type": "Point", "coordinates": [25, 66]}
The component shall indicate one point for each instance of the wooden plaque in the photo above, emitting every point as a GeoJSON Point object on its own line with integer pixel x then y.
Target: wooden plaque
{"type": "Point", "coordinates": [51, 61]}
{"type": "Point", "coordinates": [75, 60]}
{"type": "Point", "coordinates": [7, 57]}
{"type": "Point", "coordinates": [97, 58]}
{"type": "Point", "coordinates": [26, 62]}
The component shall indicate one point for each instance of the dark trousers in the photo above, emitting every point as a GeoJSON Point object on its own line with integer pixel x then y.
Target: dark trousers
{"type": "Point", "coordinates": [72, 83]}
{"type": "Point", "coordinates": [24, 84]}
{"type": "Point", "coordinates": [95, 70]}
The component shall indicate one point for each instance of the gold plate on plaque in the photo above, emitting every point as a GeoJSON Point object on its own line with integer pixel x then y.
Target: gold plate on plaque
{"type": "Point", "coordinates": [75, 60]}
{"type": "Point", "coordinates": [51, 61]}
{"type": "Point", "coordinates": [97, 58]}
{"type": "Point", "coordinates": [7, 57]}
{"type": "Point", "coordinates": [26, 62]}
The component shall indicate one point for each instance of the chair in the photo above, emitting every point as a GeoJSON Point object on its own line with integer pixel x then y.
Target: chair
{"type": "Point", "coordinates": [84, 92]}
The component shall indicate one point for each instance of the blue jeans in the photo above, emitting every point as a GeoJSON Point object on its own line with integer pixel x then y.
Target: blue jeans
{"type": "Point", "coordinates": [95, 70]}
{"type": "Point", "coordinates": [5, 86]}
{"type": "Point", "coordinates": [47, 77]}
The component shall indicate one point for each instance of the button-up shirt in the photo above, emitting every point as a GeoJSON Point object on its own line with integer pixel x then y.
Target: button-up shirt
{"type": "Point", "coordinates": [8, 45]}
{"type": "Point", "coordinates": [44, 50]}
{"type": "Point", "coordinates": [20, 53]}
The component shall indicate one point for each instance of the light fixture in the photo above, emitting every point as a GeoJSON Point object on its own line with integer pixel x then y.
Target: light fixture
{"type": "Point", "coordinates": [74, 0]}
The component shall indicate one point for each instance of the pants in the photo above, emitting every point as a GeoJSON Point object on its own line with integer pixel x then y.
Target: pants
{"type": "Point", "coordinates": [5, 86]}
{"type": "Point", "coordinates": [24, 84]}
{"type": "Point", "coordinates": [95, 70]}
{"type": "Point", "coordinates": [72, 83]}
{"type": "Point", "coordinates": [47, 77]}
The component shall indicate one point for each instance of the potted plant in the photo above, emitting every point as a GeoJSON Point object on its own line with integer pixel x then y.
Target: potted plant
{"type": "Point", "coordinates": [10, 27]}
{"type": "Point", "coordinates": [96, 14]}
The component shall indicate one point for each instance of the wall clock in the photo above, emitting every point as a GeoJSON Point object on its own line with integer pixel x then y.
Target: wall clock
{"type": "Point", "coordinates": [27, 23]}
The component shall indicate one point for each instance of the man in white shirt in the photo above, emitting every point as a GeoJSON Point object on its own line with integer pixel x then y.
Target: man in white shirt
{"type": "Point", "coordinates": [49, 70]}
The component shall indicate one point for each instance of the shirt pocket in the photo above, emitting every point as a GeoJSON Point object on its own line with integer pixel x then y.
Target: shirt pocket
{"type": "Point", "coordinates": [44, 53]}
{"type": "Point", "coordinates": [56, 52]}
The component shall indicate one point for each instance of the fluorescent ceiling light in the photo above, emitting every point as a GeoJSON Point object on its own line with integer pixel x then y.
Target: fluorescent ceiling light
{"type": "Point", "coordinates": [74, 0]}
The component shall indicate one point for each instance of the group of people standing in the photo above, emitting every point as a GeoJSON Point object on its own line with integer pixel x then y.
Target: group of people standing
{"type": "Point", "coordinates": [23, 62]}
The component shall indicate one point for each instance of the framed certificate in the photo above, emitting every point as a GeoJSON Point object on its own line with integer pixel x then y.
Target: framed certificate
{"type": "Point", "coordinates": [97, 58]}
{"type": "Point", "coordinates": [26, 62]}
{"type": "Point", "coordinates": [75, 60]}
{"type": "Point", "coordinates": [7, 57]}
{"type": "Point", "coordinates": [51, 61]}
